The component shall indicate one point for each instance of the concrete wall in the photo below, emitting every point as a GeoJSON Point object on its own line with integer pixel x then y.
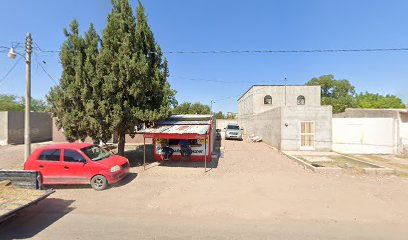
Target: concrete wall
{"type": "Point", "coordinates": [58, 136]}
{"type": "Point", "coordinates": [291, 124]}
{"type": "Point", "coordinates": [3, 128]}
{"type": "Point", "coordinates": [403, 134]}
{"type": "Point", "coordinates": [246, 104]}
{"type": "Point", "coordinates": [12, 127]}
{"type": "Point", "coordinates": [252, 102]}
{"type": "Point", "coordinates": [222, 123]}
{"type": "Point", "coordinates": [369, 113]}
{"type": "Point", "coordinates": [365, 135]}
{"type": "Point", "coordinates": [41, 127]}
{"type": "Point", "coordinates": [265, 125]}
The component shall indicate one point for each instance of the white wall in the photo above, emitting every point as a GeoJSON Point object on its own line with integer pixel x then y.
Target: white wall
{"type": "Point", "coordinates": [365, 135]}
{"type": "Point", "coordinates": [222, 123]}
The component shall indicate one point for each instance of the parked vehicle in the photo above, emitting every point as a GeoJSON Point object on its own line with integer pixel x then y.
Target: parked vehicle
{"type": "Point", "coordinates": [233, 131]}
{"type": "Point", "coordinates": [77, 163]}
{"type": "Point", "coordinates": [19, 190]}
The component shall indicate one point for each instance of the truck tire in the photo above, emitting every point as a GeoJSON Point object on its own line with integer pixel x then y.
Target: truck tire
{"type": "Point", "coordinates": [99, 183]}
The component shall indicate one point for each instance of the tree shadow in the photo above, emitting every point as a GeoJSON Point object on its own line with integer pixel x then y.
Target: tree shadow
{"type": "Point", "coordinates": [32, 220]}
{"type": "Point", "coordinates": [135, 156]}
{"type": "Point", "coordinates": [195, 164]}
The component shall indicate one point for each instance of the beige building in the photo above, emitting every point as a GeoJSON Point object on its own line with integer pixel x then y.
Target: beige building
{"type": "Point", "coordinates": [286, 117]}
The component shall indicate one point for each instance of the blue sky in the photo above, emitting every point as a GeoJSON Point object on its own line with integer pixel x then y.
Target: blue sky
{"type": "Point", "coordinates": [230, 25]}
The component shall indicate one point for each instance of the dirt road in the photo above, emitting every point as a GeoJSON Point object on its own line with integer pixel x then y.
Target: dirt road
{"type": "Point", "coordinates": [252, 192]}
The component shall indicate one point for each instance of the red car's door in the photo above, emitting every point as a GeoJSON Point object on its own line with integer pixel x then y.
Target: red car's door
{"type": "Point", "coordinates": [75, 168]}
{"type": "Point", "coordinates": [49, 164]}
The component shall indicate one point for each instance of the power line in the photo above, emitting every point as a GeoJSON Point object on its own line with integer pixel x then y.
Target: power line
{"type": "Point", "coordinates": [10, 70]}
{"type": "Point", "coordinates": [267, 51]}
{"type": "Point", "coordinates": [39, 63]}
{"type": "Point", "coordinates": [286, 51]}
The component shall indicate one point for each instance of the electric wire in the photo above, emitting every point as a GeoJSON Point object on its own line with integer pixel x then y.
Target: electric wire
{"type": "Point", "coordinates": [287, 51]}
{"type": "Point", "coordinates": [39, 63]}
{"type": "Point", "coordinates": [267, 51]}
{"type": "Point", "coordinates": [10, 70]}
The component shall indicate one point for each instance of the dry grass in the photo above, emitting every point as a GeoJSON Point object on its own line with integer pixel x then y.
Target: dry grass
{"type": "Point", "coordinates": [13, 197]}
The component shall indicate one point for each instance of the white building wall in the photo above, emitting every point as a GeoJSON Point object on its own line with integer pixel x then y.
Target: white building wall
{"type": "Point", "coordinates": [404, 137]}
{"type": "Point", "coordinates": [365, 135]}
{"type": "Point", "coordinates": [222, 123]}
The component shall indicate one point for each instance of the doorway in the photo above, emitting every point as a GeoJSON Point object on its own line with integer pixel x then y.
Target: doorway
{"type": "Point", "coordinates": [307, 135]}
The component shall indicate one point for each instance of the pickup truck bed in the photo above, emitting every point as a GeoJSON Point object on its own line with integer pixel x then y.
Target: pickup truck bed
{"type": "Point", "coordinates": [18, 190]}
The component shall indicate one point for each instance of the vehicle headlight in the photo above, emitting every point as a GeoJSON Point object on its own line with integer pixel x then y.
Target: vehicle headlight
{"type": "Point", "coordinates": [115, 168]}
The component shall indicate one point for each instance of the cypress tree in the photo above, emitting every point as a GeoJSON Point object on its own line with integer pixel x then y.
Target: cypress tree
{"type": "Point", "coordinates": [66, 100]}
{"type": "Point", "coordinates": [97, 128]}
{"type": "Point", "coordinates": [135, 85]}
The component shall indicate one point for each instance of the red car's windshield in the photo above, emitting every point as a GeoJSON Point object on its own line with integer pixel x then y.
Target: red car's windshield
{"type": "Point", "coordinates": [95, 153]}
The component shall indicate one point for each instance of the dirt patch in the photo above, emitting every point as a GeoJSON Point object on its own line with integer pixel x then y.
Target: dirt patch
{"type": "Point", "coordinates": [391, 161]}
{"type": "Point", "coordinates": [12, 197]}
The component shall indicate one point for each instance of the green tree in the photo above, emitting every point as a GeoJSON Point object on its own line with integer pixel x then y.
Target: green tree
{"type": "Point", "coordinates": [134, 73]}
{"type": "Point", "coordinates": [68, 99]}
{"type": "Point", "coordinates": [219, 115]}
{"type": "Point", "coordinates": [183, 108]}
{"type": "Point", "coordinates": [372, 100]}
{"type": "Point", "coordinates": [337, 93]}
{"type": "Point", "coordinates": [191, 108]}
{"type": "Point", "coordinates": [14, 103]}
{"type": "Point", "coordinates": [37, 105]}
{"type": "Point", "coordinates": [11, 103]}
{"type": "Point", "coordinates": [91, 92]}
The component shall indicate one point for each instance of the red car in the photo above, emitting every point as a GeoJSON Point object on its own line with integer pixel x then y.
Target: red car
{"type": "Point", "coordinates": [77, 163]}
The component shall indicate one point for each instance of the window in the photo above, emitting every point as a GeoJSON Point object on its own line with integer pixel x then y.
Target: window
{"type": "Point", "coordinates": [95, 153]}
{"type": "Point", "coordinates": [307, 132]}
{"type": "Point", "coordinates": [72, 156]}
{"type": "Point", "coordinates": [233, 127]}
{"type": "Point", "coordinates": [301, 100]}
{"type": "Point", "coordinates": [50, 155]}
{"type": "Point", "coordinates": [268, 99]}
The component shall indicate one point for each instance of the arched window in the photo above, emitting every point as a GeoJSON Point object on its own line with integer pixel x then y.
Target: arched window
{"type": "Point", "coordinates": [267, 99]}
{"type": "Point", "coordinates": [301, 100]}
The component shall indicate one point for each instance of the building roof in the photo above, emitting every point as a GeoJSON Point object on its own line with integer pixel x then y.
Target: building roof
{"type": "Point", "coordinates": [179, 129]}
{"type": "Point", "coordinates": [371, 113]}
{"type": "Point", "coordinates": [198, 122]}
{"type": "Point", "coordinates": [186, 119]}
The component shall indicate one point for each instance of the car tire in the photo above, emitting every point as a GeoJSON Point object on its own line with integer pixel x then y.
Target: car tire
{"type": "Point", "coordinates": [99, 183]}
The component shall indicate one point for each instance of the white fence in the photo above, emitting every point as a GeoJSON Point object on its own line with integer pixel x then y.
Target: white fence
{"type": "Point", "coordinates": [365, 135]}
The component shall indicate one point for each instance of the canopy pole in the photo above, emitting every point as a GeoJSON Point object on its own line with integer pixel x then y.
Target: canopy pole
{"type": "Point", "coordinates": [205, 153]}
{"type": "Point", "coordinates": [144, 153]}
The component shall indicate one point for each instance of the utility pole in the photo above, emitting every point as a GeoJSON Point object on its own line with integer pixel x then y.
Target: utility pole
{"type": "Point", "coordinates": [27, 118]}
{"type": "Point", "coordinates": [211, 108]}
{"type": "Point", "coordinates": [285, 89]}
{"type": "Point", "coordinates": [11, 54]}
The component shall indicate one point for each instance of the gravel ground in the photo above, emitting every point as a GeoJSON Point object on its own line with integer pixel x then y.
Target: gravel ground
{"type": "Point", "coordinates": [252, 192]}
{"type": "Point", "coordinates": [12, 197]}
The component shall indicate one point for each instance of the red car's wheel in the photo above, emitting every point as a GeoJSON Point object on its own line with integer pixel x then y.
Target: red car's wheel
{"type": "Point", "coordinates": [99, 182]}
